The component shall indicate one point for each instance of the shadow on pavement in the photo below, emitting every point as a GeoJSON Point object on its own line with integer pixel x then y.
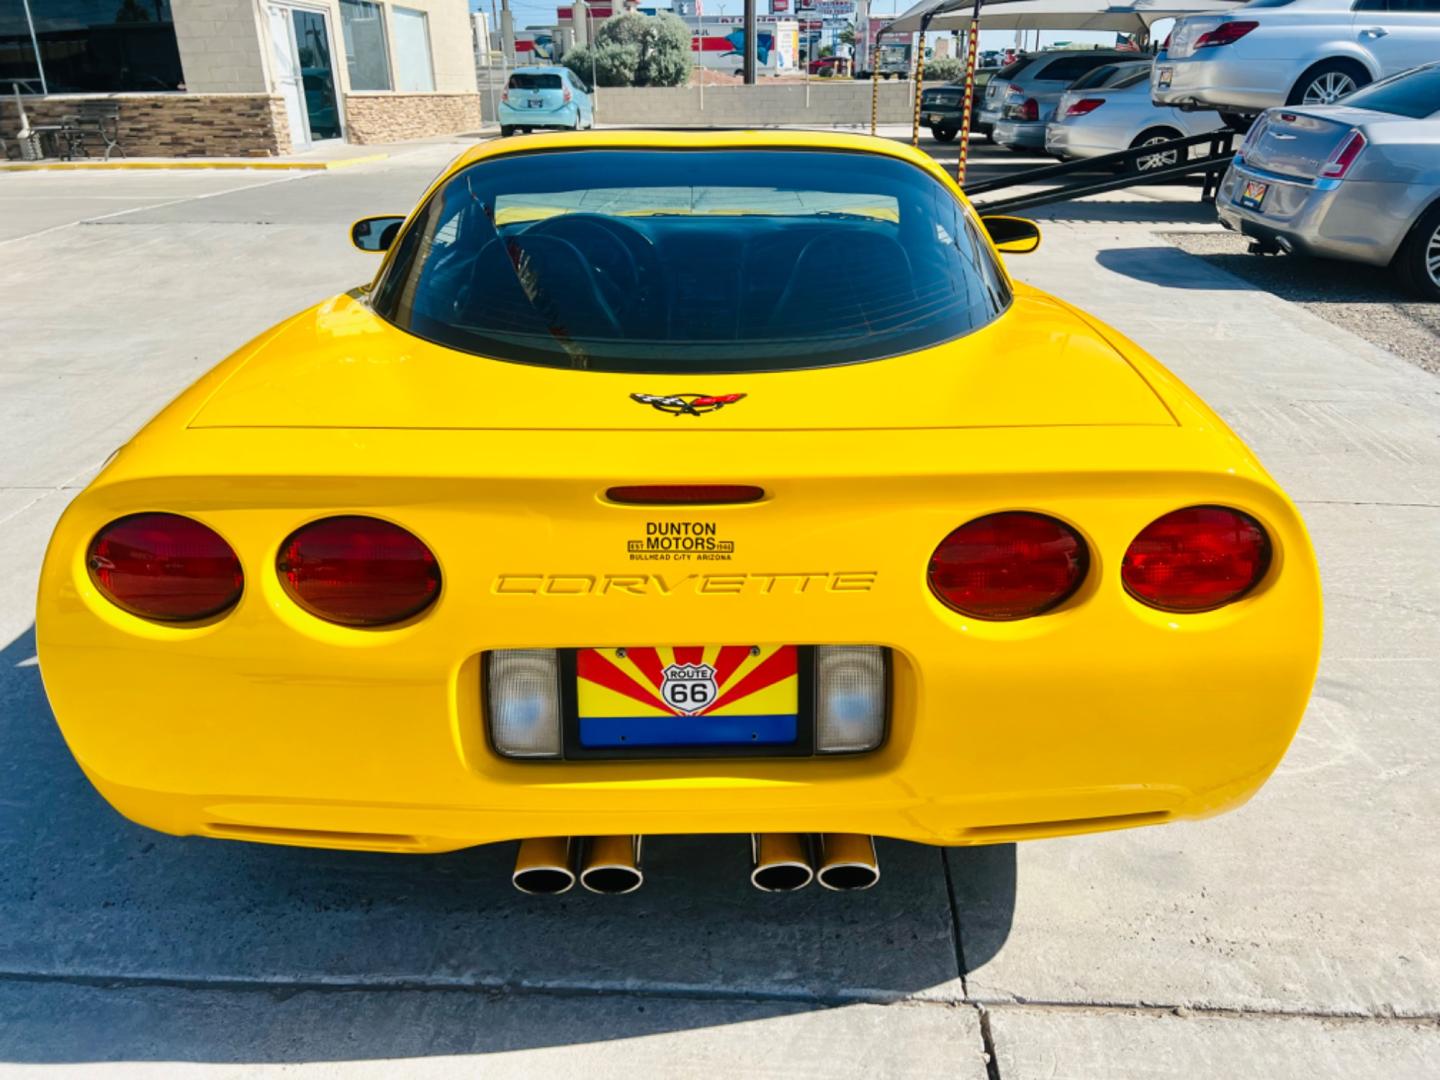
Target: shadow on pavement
{"type": "Point", "coordinates": [90, 901]}
{"type": "Point", "coordinates": [1165, 266]}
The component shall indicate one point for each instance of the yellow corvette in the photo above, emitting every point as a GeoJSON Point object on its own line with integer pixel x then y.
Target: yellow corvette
{"type": "Point", "coordinates": [681, 483]}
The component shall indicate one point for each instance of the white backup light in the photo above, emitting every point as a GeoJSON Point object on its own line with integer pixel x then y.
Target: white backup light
{"type": "Point", "coordinates": [524, 695]}
{"type": "Point", "coordinates": [849, 698]}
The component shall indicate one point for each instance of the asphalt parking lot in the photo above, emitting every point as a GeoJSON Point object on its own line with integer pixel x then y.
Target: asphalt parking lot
{"type": "Point", "coordinates": [1293, 938]}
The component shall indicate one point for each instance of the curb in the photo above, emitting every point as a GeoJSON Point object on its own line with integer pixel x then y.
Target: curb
{"type": "Point", "coordinates": [186, 163]}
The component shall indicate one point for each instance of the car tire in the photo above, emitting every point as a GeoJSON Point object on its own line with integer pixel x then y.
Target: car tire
{"type": "Point", "coordinates": [506, 130]}
{"type": "Point", "coordinates": [1149, 137]}
{"type": "Point", "coordinates": [1328, 81]}
{"type": "Point", "coordinates": [1417, 263]}
{"type": "Point", "coordinates": [944, 133]}
{"type": "Point", "coordinates": [990, 138]}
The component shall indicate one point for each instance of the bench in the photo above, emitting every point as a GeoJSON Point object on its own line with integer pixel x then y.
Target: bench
{"type": "Point", "coordinates": [97, 119]}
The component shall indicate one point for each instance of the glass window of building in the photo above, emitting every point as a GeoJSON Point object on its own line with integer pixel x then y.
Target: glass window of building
{"type": "Point", "coordinates": [94, 46]}
{"type": "Point", "coordinates": [366, 57]}
{"type": "Point", "coordinates": [18, 69]}
{"type": "Point", "coordinates": [412, 51]}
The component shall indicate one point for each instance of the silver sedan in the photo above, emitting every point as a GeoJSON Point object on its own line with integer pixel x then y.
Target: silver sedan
{"type": "Point", "coordinates": [1357, 180]}
{"type": "Point", "coordinates": [1118, 116]}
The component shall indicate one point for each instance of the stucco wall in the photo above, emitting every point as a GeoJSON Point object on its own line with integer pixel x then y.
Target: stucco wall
{"type": "Point", "coordinates": [837, 101]}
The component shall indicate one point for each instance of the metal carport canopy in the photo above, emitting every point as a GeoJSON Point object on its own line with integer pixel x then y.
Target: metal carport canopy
{"type": "Point", "coordinates": [1136, 15]}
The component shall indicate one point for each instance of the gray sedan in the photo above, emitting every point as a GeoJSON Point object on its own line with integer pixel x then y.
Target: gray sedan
{"type": "Point", "coordinates": [1357, 180]}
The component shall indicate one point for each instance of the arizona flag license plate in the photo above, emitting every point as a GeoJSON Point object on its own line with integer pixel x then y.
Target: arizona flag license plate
{"type": "Point", "coordinates": [688, 696]}
{"type": "Point", "coordinates": [1253, 194]}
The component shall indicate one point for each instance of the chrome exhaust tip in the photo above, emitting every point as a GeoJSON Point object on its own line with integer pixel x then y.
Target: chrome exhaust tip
{"type": "Point", "coordinates": [780, 862]}
{"type": "Point", "coordinates": [611, 865]}
{"type": "Point", "coordinates": [542, 866]}
{"type": "Point", "coordinates": [847, 862]}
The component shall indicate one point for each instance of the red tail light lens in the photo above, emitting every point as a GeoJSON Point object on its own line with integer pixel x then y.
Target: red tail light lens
{"type": "Point", "coordinates": [1030, 110]}
{"type": "Point", "coordinates": [1344, 156]}
{"type": "Point", "coordinates": [684, 494]}
{"type": "Point", "coordinates": [1008, 566]}
{"type": "Point", "coordinates": [358, 571]}
{"type": "Point", "coordinates": [1196, 559]}
{"type": "Point", "coordinates": [1227, 33]}
{"type": "Point", "coordinates": [165, 567]}
{"type": "Point", "coordinates": [1085, 105]}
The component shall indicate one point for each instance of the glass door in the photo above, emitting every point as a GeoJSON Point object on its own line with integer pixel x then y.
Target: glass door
{"type": "Point", "coordinates": [304, 72]}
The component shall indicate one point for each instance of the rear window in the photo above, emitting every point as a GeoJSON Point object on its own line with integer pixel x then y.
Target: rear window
{"type": "Point", "coordinates": [691, 261]}
{"type": "Point", "coordinates": [1010, 70]}
{"type": "Point", "coordinates": [523, 80]}
{"type": "Point", "coordinates": [1069, 68]}
{"type": "Point", "coordinates": [1098, 77]}
{"type": "Point", "coordinates": [1415, 94]}
{"type": "Point", "coordinates": [1134, 78]}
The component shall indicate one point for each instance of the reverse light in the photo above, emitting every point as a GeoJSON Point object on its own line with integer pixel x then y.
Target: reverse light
{"type": "Point", "coordinates": [850, 698]}
{"type": "Point", "coordinates": [165, 567]}
{"type": "Point", "coordinates": [1010, 565]}
{"type": "Point", "coordinates": [1344, 155]}
{"type": "Point", "coordinates": [1084, 106]}
{"type": "Point", "coordinates": [1196, 559]}
{"type": "Point", "coordinates": [523, 696]}
{"type": "Point", "coordinates": [358, 571]}
{"type": "Point", "coordinates": [1227, 33]}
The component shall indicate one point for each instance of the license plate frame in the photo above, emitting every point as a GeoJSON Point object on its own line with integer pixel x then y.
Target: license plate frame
{"type": "Point", "coordinates": [1163, 77]}
{"type": "Point", "coordinates": [574, 749]}
{"type": "Point", "coordinates": [1252, 194]}
{"type": "Point", "coordinates": [534, 103]}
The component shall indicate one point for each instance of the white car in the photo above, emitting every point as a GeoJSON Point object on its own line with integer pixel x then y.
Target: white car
{"type": "Point", "coordinates": [1291, 52]}
{"type": "Point", "coordinates": [1118, 116]}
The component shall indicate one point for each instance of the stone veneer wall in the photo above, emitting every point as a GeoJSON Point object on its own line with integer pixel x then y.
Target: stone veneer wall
{"type": "Point", "coordinates": [173, 125]}
{"type": "Point", "coordinates": [390, 117]}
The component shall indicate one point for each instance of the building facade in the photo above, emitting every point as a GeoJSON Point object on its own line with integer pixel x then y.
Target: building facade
{"type": "Point", "coordinates": [243, 77]}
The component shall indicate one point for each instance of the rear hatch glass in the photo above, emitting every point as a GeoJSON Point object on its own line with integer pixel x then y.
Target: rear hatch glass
{"type": "Point", "coordinates": [522, 80]}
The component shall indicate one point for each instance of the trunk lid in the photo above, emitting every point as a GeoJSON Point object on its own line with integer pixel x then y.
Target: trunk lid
{"type": "Point", "coordinates": [1297, 143]}
{"type": "Point", "coordinates": [340, 366]}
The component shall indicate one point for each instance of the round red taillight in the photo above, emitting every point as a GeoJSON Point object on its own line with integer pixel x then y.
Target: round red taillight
{"type": "Point", "coordinates": [1008, 566]}
{"type": "Point", "coordinates": [1196, 559]}
{"type": "Point", "coordinates": [358, 571]}
{"type": "Point", "coordinates": [165, 567]}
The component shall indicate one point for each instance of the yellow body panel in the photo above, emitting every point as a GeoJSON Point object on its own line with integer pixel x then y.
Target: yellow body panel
{"type": "Point", "coordinates": [269, 724]}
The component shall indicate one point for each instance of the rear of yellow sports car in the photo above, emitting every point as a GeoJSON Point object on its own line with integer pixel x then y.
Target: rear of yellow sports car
{"type": "Point", "coordinates": [364, 587]}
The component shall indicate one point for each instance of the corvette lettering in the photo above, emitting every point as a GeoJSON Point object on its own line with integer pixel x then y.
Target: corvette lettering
{"type": "Point", "coordinates": [733, 584]}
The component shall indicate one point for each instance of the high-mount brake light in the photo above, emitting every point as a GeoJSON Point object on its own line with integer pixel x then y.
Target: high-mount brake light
{"type": "Point", "coordinates": [165, 567]}
{"type": "Point", "coordinates": [1084, 106]}
{"type": "Point", "coordinates": [684, 494]}
{"type": "Point", "coordinates": [1227, 33]}
{"type": "Point", "coordinates": [1196, 559]}
{"type": "Point", "coordinates": [358, 571]}
{"type": "Point", "coordinates": [1010, 565]}
{"type": "Point", "coordinates": [1339, 162]}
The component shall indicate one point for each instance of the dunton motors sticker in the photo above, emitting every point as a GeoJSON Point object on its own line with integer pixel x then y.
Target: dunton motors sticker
{"type": "Point", "coordinates": [680, 541]}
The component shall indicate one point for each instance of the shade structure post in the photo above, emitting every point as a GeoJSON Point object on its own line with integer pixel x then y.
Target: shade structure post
{"type": "Point", "coordinates": [970, 54]}
{"type": "Point", "coordinates": [919, 78]}
{"type": "Point", "coordinates": [874, 90]}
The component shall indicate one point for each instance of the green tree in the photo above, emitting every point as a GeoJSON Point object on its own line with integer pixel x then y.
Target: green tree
{"type": "Point", "coordinates": [607, 63]}
{"type": "Point", "coordinates": [659, 45]}
{"type": "Point", "coordinates": [847, 36]}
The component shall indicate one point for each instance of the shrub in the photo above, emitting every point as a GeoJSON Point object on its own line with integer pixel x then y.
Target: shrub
{"type": "Point", "coordinates": [945, 69]}
{"type": "Point", "coordinates": [636, 50]}
{"type": "Point", "coordinates": [607, 63]}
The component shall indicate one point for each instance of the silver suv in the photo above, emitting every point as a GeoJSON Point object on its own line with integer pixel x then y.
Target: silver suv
{"type": "Point", "coordinates": [1021, 97]}
{"type": "Point", "coordinates": [1291, 52]}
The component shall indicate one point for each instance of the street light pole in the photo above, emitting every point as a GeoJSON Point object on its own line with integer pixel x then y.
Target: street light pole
{"type": "Point", "coordinates": [749, 65]}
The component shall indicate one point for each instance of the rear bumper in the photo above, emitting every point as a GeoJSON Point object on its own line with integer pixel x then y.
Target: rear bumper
{"type": "Point", "coordinates": [562, 117]}
{"type": "Point", "coordinates": [1351, 219]}
{"type": "Point", "coordinates": [1026, 133]}
{"type": "Point", "coordinates": [271, 725]}
{"type": "Point", "coordinates": [1220, 79]}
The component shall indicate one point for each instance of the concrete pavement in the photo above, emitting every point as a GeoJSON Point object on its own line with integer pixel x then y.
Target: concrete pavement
{"type": "Point", "coordinates": [1294, 937]}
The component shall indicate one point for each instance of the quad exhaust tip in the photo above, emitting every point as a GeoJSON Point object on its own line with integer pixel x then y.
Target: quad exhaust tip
{"type": "Point", "coordinates": [542, 866]}
{"type": "Point", "coordinates": [780, 862]}
{"type": "Point", "coordinates": [847, 862]}
{"type": "Point", "coordinates": [611, 865]}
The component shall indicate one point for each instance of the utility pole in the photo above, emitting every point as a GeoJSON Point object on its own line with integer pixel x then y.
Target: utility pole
{"type": "Point", "coordinates": [507, 31]}
{"type": "Point", "coordinates": [750, 42]}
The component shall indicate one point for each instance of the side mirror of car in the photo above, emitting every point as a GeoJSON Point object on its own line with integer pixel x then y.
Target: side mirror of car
{"type": "Point", "coordinates": [1013, 235]}
{"type": "Point", "coordinates": [376, 234]}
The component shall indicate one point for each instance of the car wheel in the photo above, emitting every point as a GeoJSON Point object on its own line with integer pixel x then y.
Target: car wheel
{"type": "Point", "coordinates": [1163, 160]}
{"type": "Point", "coordinates": [943, 133]}
{"type": "Point", "coordinates": [1418, 260]}
{"type": "Point", "coordinates": [506, 130]}
{"type": "Point", "coordinates": [1328, 81]}
{"type": "Point", "coordinates": [990, 138]}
